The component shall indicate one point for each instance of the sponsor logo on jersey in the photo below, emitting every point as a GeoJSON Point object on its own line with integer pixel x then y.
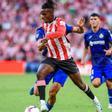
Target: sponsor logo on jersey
{"type": "Point", "coordinates": [102, 42]}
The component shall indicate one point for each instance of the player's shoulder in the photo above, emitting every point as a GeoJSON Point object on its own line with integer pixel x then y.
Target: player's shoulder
{"type": "Point", "coordinates": [39, 28]}
{"type": "Point", "coordinates": [88, 33]}
{"type": "Point", "coordinates": [60, 21]}
{"type": "Point", "coordinates": [40, 32]}
{"type": "Point", "coordinates": [104, 30]}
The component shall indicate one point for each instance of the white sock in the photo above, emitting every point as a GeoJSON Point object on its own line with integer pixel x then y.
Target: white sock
{"type": "Point", "coordinates": [42, 102]}
{"type": "Point", "coordinates": [95, 99]}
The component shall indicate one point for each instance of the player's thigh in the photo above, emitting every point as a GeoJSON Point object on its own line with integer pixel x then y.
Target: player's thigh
{"type": "Point", "coordinates": [44, 70]}
{"type": "Point", "coordinates": [60, 77]}
{"type": "Point", "coordinates": [54, 88]}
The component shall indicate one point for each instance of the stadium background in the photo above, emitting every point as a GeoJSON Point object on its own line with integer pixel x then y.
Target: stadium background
{"type": "Point", "coordinates": [18, 53]}
{"type": "Point", "coordinates": [19, 18]}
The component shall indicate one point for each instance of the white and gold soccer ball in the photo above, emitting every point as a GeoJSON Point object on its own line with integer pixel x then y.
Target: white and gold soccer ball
{"type": "Point", "coordinates": [31, 109]}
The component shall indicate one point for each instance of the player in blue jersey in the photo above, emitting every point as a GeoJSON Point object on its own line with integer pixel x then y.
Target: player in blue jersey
{"type": "Point", "coordinates": [59, 77]}
{"type": "Point", "coordinates": [99, 41]}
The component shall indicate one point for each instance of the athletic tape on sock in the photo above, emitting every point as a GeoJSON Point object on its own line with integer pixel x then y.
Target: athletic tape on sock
{"type": "Point", "coordinates": [41, 83]}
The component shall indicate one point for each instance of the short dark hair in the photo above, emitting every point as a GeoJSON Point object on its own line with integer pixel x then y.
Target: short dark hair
{"type": "Point", "coordinates": [95, 14]}
{"type": "Point", "coordinates": [49, 4]}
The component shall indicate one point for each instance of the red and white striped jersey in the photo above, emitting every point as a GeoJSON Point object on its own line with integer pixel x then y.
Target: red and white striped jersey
{"type": "Point", "coordinates": [58, 47]}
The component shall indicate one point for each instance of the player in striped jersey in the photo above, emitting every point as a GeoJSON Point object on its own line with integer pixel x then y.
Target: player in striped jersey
{"type": "Point", "coordinates": [59, 77]}
{"type": "Point", "coordinates": [59, 56]}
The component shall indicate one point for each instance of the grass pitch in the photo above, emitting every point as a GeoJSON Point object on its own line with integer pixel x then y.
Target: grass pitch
{"type": "Point", "coordinates": [14, 95]}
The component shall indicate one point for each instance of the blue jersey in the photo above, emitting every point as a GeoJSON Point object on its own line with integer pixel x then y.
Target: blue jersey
{"type": "Point", "coordinates": [98, 42]}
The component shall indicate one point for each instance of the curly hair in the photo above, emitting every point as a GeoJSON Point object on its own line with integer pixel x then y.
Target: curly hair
{"type": "Point", "coordinates": [48, 4]}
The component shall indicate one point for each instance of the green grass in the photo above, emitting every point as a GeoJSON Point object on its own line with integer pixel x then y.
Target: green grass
{"type": "Point", "coordinates": [14, 96]}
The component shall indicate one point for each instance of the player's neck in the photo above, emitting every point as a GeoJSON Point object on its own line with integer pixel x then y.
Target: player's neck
{"type": "Point", "coordinates": [95, 29]}
{"type": "Point", "coordinates": [51, 19]}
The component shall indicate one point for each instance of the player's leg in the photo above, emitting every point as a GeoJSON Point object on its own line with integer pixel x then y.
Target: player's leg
{"type": "Point", "coordinates": [34, 89]}
{"type": "Point", "coordinates": [54, 89]}
{"type": "Point", "coordinates": [43, 71]}
{"type": "Point", "coordinates": [75, 76]}
{"type": "Point", "coordinates": [96, 77]}
{"type": "Point", "coordinates": [109, 86]}
{"type": "Point", "coordinates": [59, 80]}
{"type": "Point", "coordinates": [84, 87]}
{"type": "Point", "coordinates": [108, 76]}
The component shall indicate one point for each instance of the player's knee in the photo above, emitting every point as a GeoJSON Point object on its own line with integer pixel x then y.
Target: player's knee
{"type": "Point", "coordinates": [96, 82]}
{"type": "Point", "coordinates": [82, 87]}
{"type": "Point", "coordinates": [41, 75]}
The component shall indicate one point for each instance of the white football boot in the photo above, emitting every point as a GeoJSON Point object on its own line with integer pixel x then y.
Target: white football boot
{"type": "Point", "coordinates": [109, 106]}
{"type": "Point", "coordinates": [43, 107]}
{"type": "Point", "coordinates": [97, 104]}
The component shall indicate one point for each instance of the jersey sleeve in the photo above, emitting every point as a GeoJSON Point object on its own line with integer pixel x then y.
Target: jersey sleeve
{"type": "Point", "coordinates": [39, 33]}
{"type": "Point", "coordinates": [60, 30]}
{"type": "Point", "coordinates": [86, 43]}
{"type": "Point", "coordinates": [69, 29]}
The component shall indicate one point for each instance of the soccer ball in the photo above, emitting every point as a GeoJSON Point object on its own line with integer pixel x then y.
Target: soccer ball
{"type": "Point", "coordinates": [32, 109]}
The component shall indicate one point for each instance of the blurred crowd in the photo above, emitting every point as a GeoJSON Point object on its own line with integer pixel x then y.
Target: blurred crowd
{"type": "Point", "coordinates": [20, 18]}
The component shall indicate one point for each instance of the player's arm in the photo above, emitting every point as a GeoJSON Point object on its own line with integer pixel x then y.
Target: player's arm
{"type": "Point", "coordinates": [39, 36]}
{"type": "Point", "coordinates": [83, 60]}
{"type": "Point", "coordinates": [85, 51]}
{"type": "Point", "coordinates": [41, 45]}
{"type": "Point", "coordinates": [109, 51]}
{"type": "Point", "coordinates": [80, 26]}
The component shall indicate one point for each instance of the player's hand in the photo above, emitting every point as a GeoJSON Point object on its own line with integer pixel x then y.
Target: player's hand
{"type": "Point", "coordinates": [44, 41]}
{"type": "Point", "coordinates": [41, 44]}
{"type": "Point", "coordinates": [41, 47]}
{"type": "Point", "coordinates": [81, 22]}
{"type": "Point", "coordinates": [108, 52]}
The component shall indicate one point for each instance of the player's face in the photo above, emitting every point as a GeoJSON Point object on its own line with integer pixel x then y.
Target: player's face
{"type": "Point", "coordinates": [46, 15]}
{"type": "Point", "coordinates": [94, 21]}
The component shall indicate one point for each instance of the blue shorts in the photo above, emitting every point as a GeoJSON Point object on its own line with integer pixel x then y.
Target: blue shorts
{"type": "Point", "coordinates": [60, 76]}
{"type": "Point", "coordinates": [101, 72]}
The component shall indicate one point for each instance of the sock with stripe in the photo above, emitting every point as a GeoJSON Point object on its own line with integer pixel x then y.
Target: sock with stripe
{"type": "Point", "coordinates": [49, 106]}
